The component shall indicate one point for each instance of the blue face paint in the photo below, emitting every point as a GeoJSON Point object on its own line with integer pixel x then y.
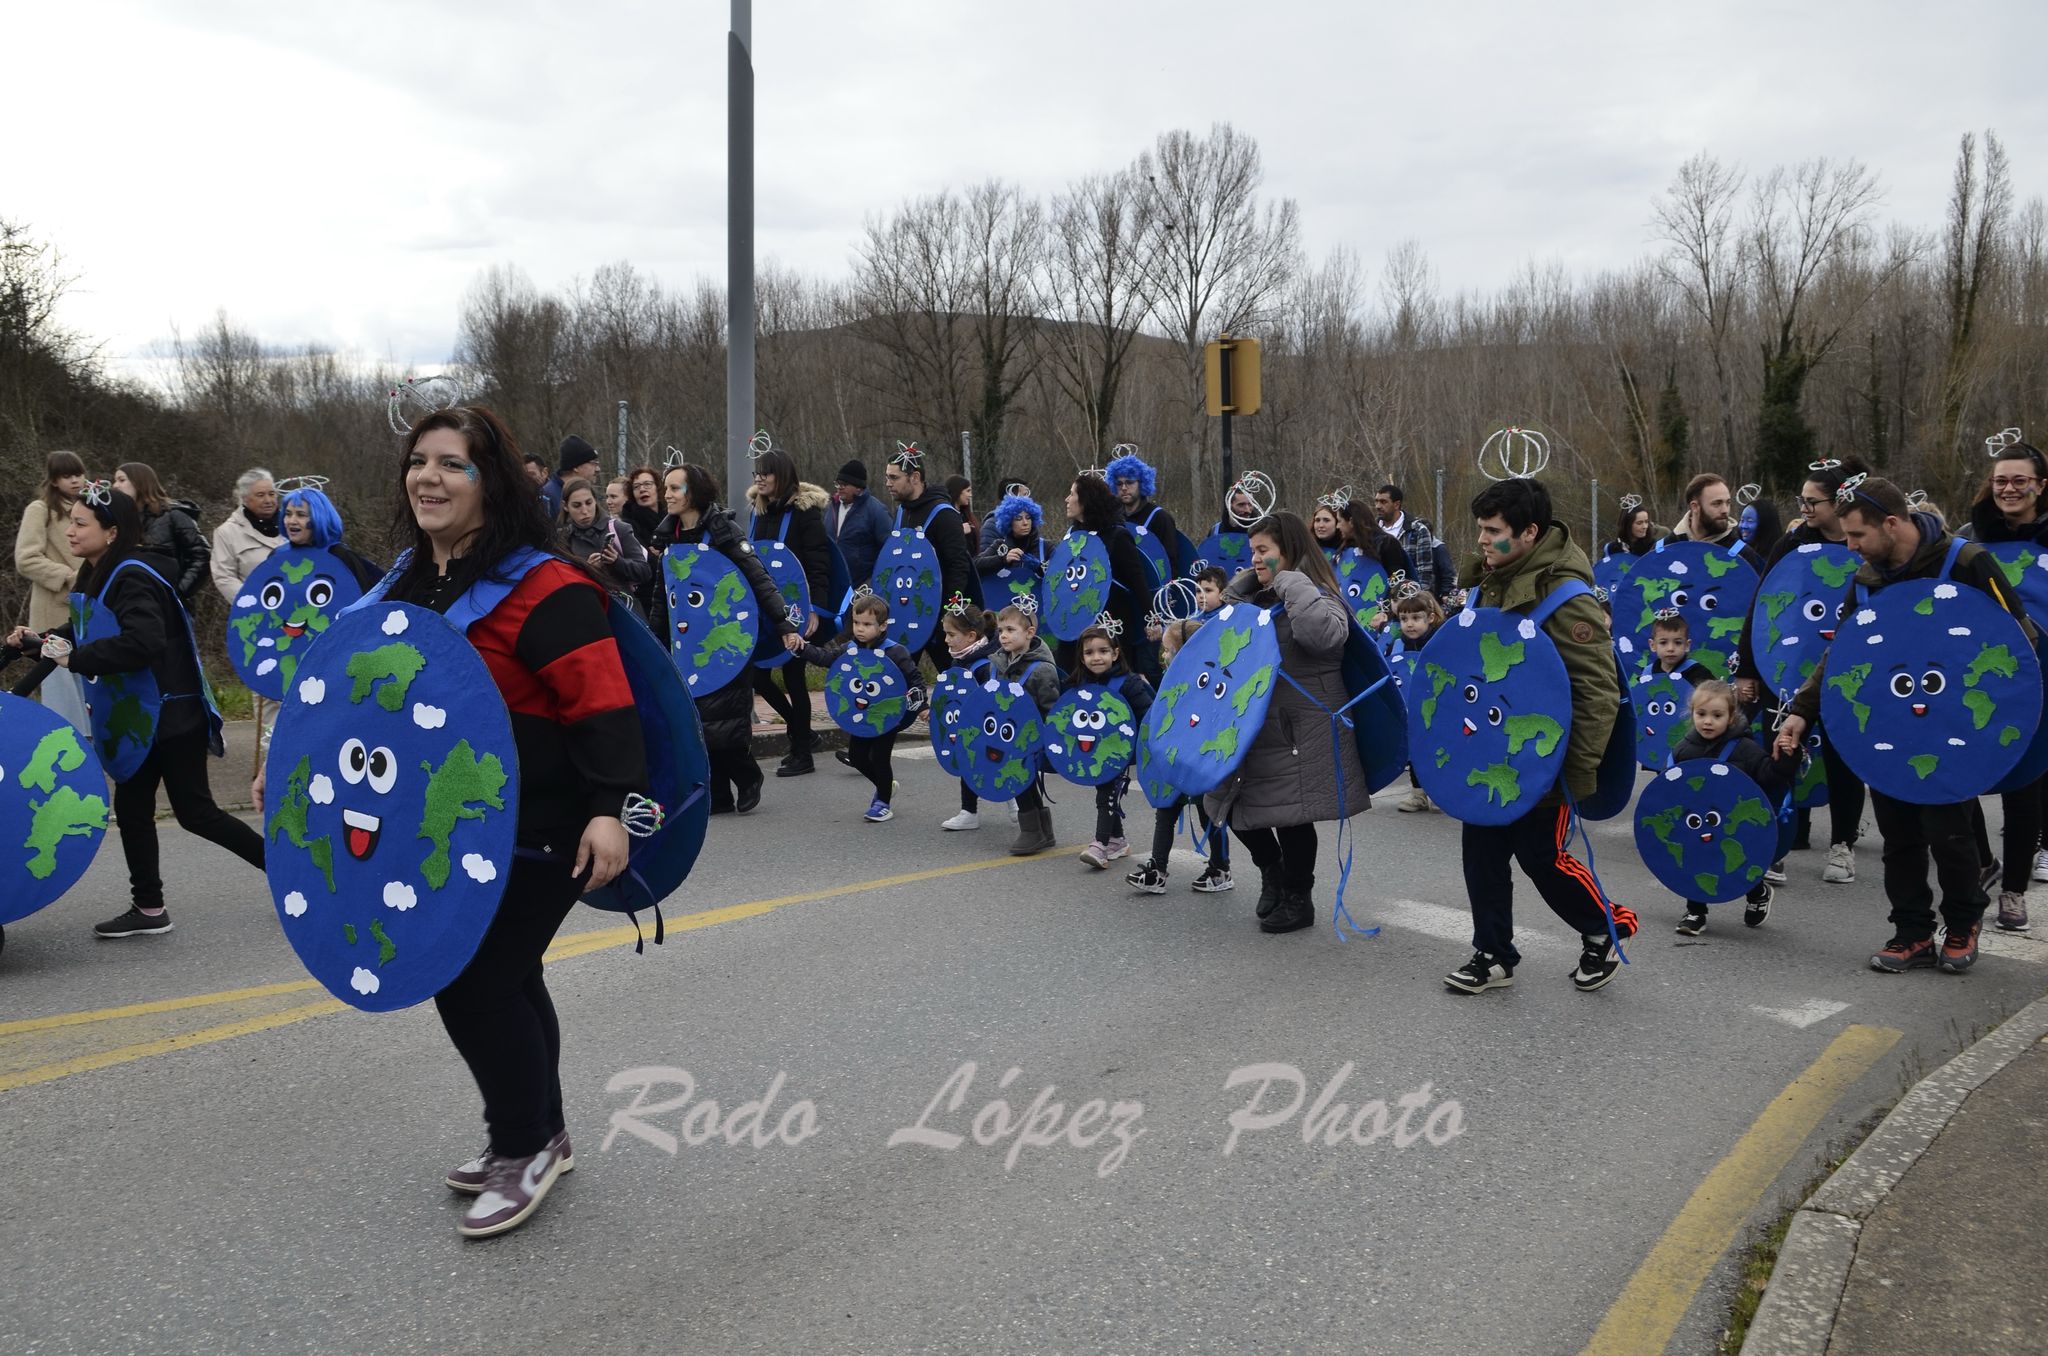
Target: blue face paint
{"type": "Point", "coordinates": [469, 470]}
{"type": "Point", "coordinates": [1747, 524]}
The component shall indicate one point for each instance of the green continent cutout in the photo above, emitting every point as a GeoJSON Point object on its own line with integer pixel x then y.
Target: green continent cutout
{"type": "Point", "coordinates": [58, 751]}
{"type": "Point", "coordinates": [1924, 764]}
{"type": "Point", "coordinates": [878, 713]}
{"type": "Point", "coordinates": [385, 950]}
{"type": "Point", "coordinates": [309, 617]}
{"type": "Point", "coordinates": [1731, 855]}
{"type": "Point", "coordinates": [1013, 770]}
{"type": "Point", "coordinates": [2013, 569]}
{"type": "Point", "coordinates": [1980, 706]}
{"type": "Point", "coordinates": [1833, 573]}
{"type": "Point", "coordinates": [1661, 824]}
{"type": "Point", "coordinates": [1653, 593]}
{"type": "Point", "coordinates": [1442, 756]}
{"type": "Point", "coordinates": [348, 933]}
{"type": "Point", "coordinates": [1260, 682]}
{"type": "Point", "coordinates": [65, 814]}
{"type": "Point", "coordinates": [1167, 699]}
{"type": "Point", "coordinates": [244, 628]}
{"type": "Point", "coordinates": [1849, 685]}
{"type": "Point", "coordinates": [1713, 661]}
{"type": "Point", "coordinates": [129, 721]}
{"type": "Point", "coordinates": [729, 589]}
{"type": "Point", "coordinates": [1991, 659]}
{"type": "Point", "coordinates": [295, 570]}
{"type": "Point", "coordinates": [1719, 563]}
{"type": "Point", "coordinates": [2007, 735]}
{"type": "Point", "coordinates": [680, 563]}
{"type": "Point", "coordinates": [1925, 607]}
{"type": "Point", "coordinates": [1720, 628]}
{"type": "Point", "coordinates": [1439, 679]}
{"type": "Point", "coordinates": [1748, 810]}
{"type": "Point", "coordinates": [1774, 603]}
{"type": "Point", "coordinates": [1110, 750]}
{"type": "Point", "coordinates": [1495, 658]}
{"type": "Point", "coordinates": [1223, 742]}
{"type": "Point", "coordinates": [289, 819]}
{"type": "Point", "coordinates": [1231, 643]}
{"type": "Point", "coordinates": [395, 665]}
{"type": "Point", "coordinates": [1709, 885]}
{"type": "Point", "coordinates": [729, 635]}
{"type": "Point", "coordinates": [1545, 731]}
{"type": "Point", "coordinates": [1501, 781]}
{"type": "Point", "coordinates": [459, 789]}
{"type": "Point", "coordinates": [1696, 783]}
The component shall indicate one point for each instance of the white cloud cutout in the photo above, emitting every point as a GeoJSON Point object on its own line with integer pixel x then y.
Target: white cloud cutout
{"type": "Point", "coordinates": [395, 623]}
{"type": "Point", "coordinates": [479, 868]}
{"type": "Point", "coordinates": [321, 789]}
{"type": "Point", "coordinates": [363, 982]}
{"type": "Point", "coordinates": [294, 904]}
{"type": "Point", "coordinates": [267, 666]}
{"type": "Point", "coordinates": [312, 691]}
{"type": "Point", "coordinates": [246, 600]}
{"type": "Point", "coordinates": [400, 896]}
{"type": "Point", "coordinates": [428, 717]}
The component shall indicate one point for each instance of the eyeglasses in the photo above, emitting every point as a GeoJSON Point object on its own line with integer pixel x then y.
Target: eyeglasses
{"type": "Point", "coordinates": [1813, 503]}
{"type": "Point", "coordinates": [2013, 482]}
{"type": "Point", "coordinates": [764, 475]}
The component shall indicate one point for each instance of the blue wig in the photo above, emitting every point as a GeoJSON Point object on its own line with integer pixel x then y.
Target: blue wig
{"type": "Point", "coordinates": [1128, 467]}
{"type": "Point", "coordinates": [324, 519]}
{"type": "Point", "coordinates": [1012, 505]}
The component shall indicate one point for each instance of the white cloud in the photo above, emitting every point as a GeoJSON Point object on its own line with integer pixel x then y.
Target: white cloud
{"type": "Point", "coordinates": [400, 896]}
{"type": "Point", "coordinates": [295, 904]}
{"type": "Point", "coordinates": [428, 717]}
{"type": "Point", "coordinates": [321, 789]}
{"type": "Point", "coordinates": [479, 867]}
{"type": "Point", "coordinates": [363, 982]}
{"type": "Point", "coordinates": [246, 600]}
{"type": "Point", "coordinates": [267, 666]}
{"type": "Point", "coordinates": [395, 623]}
{"type": "Point", "coordinates": [312, 691]}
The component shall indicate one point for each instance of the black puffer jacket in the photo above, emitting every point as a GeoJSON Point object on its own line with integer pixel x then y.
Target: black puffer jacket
{"type": "Point", "coordinates": [728, 713]}
{"type": "Point", "coordinates": [806, 538]}
{"type": "Point", "coordinates": [153, 637]}
{"type": "Point", "coordinates": [176, 547]}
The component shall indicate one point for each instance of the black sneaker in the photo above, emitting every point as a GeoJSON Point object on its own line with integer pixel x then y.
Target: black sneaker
{"type": "Point", "coordinates": [1597, 962]}
{"type": "Point", "coordinates": [1693, 924]}
{"type": "Point", "coordinates": [1759, 905]}
{"type": "Point", "coordinates": [796, 764]}
{"type": "Point", "coordinates": [1214, 880]}
{"type": "Point", "coordinates": [1988, 877]}
{"type": "Point", "coordinates": [134, 923]}
{"type": "Point", "coordinates": [1479, 974]}
{"type": "Point", "coordinates": [1147, 879]}
{"type": "Point", "coordinates": [845, 760]}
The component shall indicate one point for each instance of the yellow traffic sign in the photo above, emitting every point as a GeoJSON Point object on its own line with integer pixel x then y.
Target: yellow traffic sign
{"type": "Point", "coordinates": [1230, 376]}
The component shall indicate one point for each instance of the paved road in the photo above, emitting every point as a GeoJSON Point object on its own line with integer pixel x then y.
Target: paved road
{"type": "Point", "coordinates": [261, 1173]}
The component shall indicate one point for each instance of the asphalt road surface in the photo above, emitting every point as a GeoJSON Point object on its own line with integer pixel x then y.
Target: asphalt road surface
{"type": "Point", "coordinates": [202, 1153]}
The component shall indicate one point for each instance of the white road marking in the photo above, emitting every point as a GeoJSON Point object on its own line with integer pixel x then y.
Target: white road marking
{"type": "Point", "coordinates": [1803, 1014]}
{"type": "Point", "coordinates": [1455, 925]}
{"type": "Point", "coordinates": [2017, 946]}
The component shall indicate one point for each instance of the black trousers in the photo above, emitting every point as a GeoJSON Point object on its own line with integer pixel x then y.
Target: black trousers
{"type": "Point", "coordinates": [1164, 822]}
{"type": "Point", "coordinates": [499, 1015]}
{"type": "Point", "coordinates": [1845, 796]}
{"type": "Point", "coordinates": [1537, 841]}
{"type": "Point", "coordinates": [731, 770]}
{"type": "Point", "coordinates": [2022, 834]}
{"type": "Point", "coordinates": [1289, 851]}
{"type": "Point", "coordinates": [1109, 809]}
{"type": "Point", "coordinates": [869, 755]}
{"type": "Point", "coordinates": [789, 698]}
{"type": "Point", "coordinates": [179, 764]}
{"type": "Point", "coordinates": [1914, 833]}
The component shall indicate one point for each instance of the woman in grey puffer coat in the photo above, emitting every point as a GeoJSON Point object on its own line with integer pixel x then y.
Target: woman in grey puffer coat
{"type": "Point", "coordinates": [1289, 778]}
{"type": "Point", "coordinates": [603, 542]}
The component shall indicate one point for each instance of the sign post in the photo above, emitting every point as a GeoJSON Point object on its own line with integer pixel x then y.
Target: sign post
{"type": "Point", "coordinates": [1230, 385]}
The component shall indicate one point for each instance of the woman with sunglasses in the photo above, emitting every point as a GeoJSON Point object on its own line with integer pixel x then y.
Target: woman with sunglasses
{"type": "Point", "coordinates": [154, 720]}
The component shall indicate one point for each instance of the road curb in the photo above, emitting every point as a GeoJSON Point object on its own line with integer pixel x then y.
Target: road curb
{"type": "Point", "coordinates": [1804, 1294]}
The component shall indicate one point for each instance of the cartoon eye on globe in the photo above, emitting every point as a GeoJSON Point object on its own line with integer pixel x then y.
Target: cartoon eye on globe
{"type": "Point", "coordinates": [272, 596]}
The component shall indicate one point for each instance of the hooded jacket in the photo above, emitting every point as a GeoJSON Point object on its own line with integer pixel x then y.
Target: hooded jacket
{"type": "Point", "coordinates": [1579, 629]}
{"type": "Point", "coordinates": [631, 569]}
{"type": "Point", "coordinates": [177, 550]}
{"type": "Point", "coordinates": [806, 537]}
{"type": "Point", "coordinates": [1033, 668]}
{"type": "Point", "coordinates": [948, 539]}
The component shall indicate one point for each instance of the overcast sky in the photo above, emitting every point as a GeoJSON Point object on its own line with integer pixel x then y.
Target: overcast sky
{"type": "Point", "coordinates": [339, 173]}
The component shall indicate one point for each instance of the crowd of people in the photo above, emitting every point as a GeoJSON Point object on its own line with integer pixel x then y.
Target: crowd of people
{"type": "Point", "coordinates": [475, 499]}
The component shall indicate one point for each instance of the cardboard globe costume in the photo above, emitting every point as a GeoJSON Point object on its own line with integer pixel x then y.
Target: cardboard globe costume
{"type": "Point", "coordinates": [713, 622]}
{"type": "Point", "coordinates": [1077, 584]}
{"type": "Point", "coordinates": [2025, 566]}
{"type": "Point", "coordinates": [285, 605]}
{"type": "Point", "coordinates": [1798, 607]}
{"type": "Point", "coordinates": [1710, 586]}
{"type": "Point", "coordinates": [1932, 693]}
{"type": "Point", "coordinates": [125, 707]}
{"type": "Point", "coordinates": [945, 717]}
{"type": "Point", "coordinates": [1706, 830]}
{"type": "Point", "coordinates": [1365, 584]}
{"type": "Point", "coordinates": [53, 806]}
{"type": "Point", "coordinates": [1001, 738]}
{"type": "Point", "coordinates": [866, 694]}
{"type": "Point", "coordinates": [1091, 738]}
{"type": "Point", "coordinates": [1661, 705]}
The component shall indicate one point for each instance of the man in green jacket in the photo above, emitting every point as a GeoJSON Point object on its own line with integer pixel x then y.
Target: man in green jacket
{"type": "Point", "coordinates": [1523, 556]}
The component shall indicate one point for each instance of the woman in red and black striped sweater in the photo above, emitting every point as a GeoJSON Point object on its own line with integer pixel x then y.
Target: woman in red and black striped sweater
{"type": "Point", "coordinates": [548, 644]}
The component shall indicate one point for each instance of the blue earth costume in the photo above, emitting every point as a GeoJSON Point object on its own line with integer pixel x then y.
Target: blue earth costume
{"type": "Point", "coordinates": [53, 806]}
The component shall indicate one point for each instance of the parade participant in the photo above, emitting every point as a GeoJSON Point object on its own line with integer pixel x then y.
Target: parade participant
{"type": "Point", "coordinates": [604, 543]}
{"type": "Point", "coordinates": [170, 529]}
{"type": "Point", "coordinates": [695, 518]}
{"type": "Point", "coordinates": [990, 532]}
{"type": "Point", "coordinates": [1898, 545]}
{"type": "Point", "coordinates": [1634, 533]}
{"type": "Point", "coordinates": [247, 536]}
{"type": "Point", "coordinates": [1151, 875]}
{"type": "Point", "coordinates": [970, 635]}
{"type": "Point", "coordinates": [1290, 779]}
{"type": "Point", "coordinates": [1418, 616]}
{"type": "Point", "coordinates": [1135, 484]}
{"type": "Point", "coordinates": [2008, 509]}
{"type": "Point", "coordinates": [1093, 507]}
{"type": "Point", "coordinates": [1102, 664]}
{"type": "Point", "coordinates": [1021, 657]}
{"type": "Point", "coordinates": [1716, 731]}
{"type": "Point", "coordinates": [1429, 559]}
{"type": "Point", "coordinates": [1670, 644]}
{"type": "Point", "coordinates": [1327, 528]}
{"type": "Point", "coordinates": [858, 521]}
{"type": "Point", "coordinates": [311, 522]}
{"type": "Point", "coordinates": [1710, 517]}
{"type": "Point", "coordinates": [153, 717]}
{"type": "Point", "coordinates": [925, 508]}
{"type": "Point", "coordinates": [43, 557]}
{"type": "Point", "coordinates": [867, 627]}
{"type": "Point", "coordinates": [1015, 561]}
{"type": "Point", "coordinates": [791, 510]}
{"type": "Point", "coordinates": [1375, 543]}
{"type": "Point", "coordinates": [960, 494]}
{"type": "Point", "coordinates": [1524, 555]}
{"type": "Point", "coordinates": [548, 645]}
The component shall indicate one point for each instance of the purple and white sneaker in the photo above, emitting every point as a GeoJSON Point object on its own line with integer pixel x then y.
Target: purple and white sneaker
{"type": "Point", "coordinates": [471, 1178]}
{"type": "Point", "coordinates": [513, 1190]}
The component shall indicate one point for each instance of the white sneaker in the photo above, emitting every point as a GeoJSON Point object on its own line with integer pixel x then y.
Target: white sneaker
{"type": "Point", "coordinates": [1010, 808]}
{"type": "Point", "coordinates": [2040, 864]}
{"type": "Point", "coordinates": [1417, 801]}
{"type": "Point", "coordinates": [966, 819]}
{"type": "Point", "coordinates": [1841, 867]}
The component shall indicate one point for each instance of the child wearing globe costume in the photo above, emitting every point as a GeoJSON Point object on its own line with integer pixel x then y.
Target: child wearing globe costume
{"type": "Point", "coordinates": [1022, 658]}
{"type": "Point", "coordinates": [1150, 877]}
{"type": "Point", "coordinates": [1102, 663]}
{"type": "Point", "coordinates": [1717, 725]}
{"type": "Point", "coordinates": [154, 641]}
{"type": "Point", "coordinates": [970, 637]}
{"type": "Point", "coordinates": [867, 626]}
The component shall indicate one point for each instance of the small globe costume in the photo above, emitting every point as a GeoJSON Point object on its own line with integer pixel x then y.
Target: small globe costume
{"type": "Point", "coordinates": [1077, 584]}
{"type": "Point", "coordinates": [865, 693]}
{"type": "Point", "coordinates": [1705, 830]}
{"type": "Point", "coordinates": [285, 605]}
{"type": "Point", "coordinates": [1092, 734]}
{"type": "Point", "coordinates": [713, 626]}
{"type": "Point", "coordinates": [1710, 586]}
{"type": "Point", "coordinates": [53, 805]}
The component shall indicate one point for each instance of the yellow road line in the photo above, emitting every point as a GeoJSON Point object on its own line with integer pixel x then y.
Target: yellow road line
{"type": "Point", "coordinates": [1655, 1300]}
{"type": "Point", "coordinates": [563, 948]}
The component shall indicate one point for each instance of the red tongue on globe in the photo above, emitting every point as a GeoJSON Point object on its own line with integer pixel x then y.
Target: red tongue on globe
{"type": "Point", "coordinates": [362, 833]}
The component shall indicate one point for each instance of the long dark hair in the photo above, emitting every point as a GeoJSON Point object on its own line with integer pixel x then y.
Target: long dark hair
{"type": "Point", "coordinates": [513, 515]}
{"type": "Point", "coordinates": [122, 515]}
{"type": "Point", "coordinates": [149, 491]}
{"type": "Point", "coordinates": [55, 467]}
{"type": "Point", "coordinates": [782, 466]}
{"type": "Point", "coordinates": [1101, 511]}
{"type": "Point", "coordinates": [1365, 526]}
{"type": "Point", "coordinates": [1298, 544]}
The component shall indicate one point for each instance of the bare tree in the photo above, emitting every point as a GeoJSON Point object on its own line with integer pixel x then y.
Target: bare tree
{"type": "Point", "coordinates": [1978, 209]}
{"type": "Point", "coordinates": [1704, 260]}
{"type": "Point", "coordinates": [1093, 291]}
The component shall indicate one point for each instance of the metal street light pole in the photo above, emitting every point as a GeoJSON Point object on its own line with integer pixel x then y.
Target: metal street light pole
{"type": "Point", "coordinates": [739, 247]}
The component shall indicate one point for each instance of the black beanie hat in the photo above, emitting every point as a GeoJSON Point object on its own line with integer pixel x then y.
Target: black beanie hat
{"type": "Point", "coordinates": [575, 452]}
{"type": "Point", "coordinates": [854, 473]}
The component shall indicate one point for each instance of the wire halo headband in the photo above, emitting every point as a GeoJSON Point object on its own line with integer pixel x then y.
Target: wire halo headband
{"type": "Point", "coordinates": [1521, 453]}
{"type": "Point", "coordinates": [421, 396]}
{"type": "Point", "coordinates": [1258, 487]}
{"type": "Point", "coordinates": [1631, 502]}
{"type": "Point", "coordinates": [1749, 494]}
{"type": "Point", "coordinates": [1995, 446]}
{"type": "Point", "coordinates": [292, 483]}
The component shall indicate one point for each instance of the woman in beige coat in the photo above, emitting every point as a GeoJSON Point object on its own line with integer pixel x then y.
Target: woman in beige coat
{"type": "Point", "coordinates": [42, 557]}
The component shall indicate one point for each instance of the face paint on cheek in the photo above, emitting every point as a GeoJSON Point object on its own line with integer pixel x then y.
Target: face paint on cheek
{"type": "Point", "coordinates": [1503, 546]}
{"type": "Point", "coordinates": [469, 473]}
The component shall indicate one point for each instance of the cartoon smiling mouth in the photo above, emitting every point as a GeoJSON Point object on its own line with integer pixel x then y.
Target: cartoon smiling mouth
{"type": "Point", "coordinates": [994, 755]}
{"type": "Point", "coordinates": [1919, 708]}
{"type": "Point", "coordinates": [1086, 743]}
{"type": "Point", "coordinates": [1706, 838]}
{"type": "Point", "coordinates": [682, 627]}
{"type": "Point", "coordinates": [363, 832]}
{"type": "Point", "coordinates": [1470, 728]}
{"type": "Point", "coordinates": [1194, 720]}
{"type": "Point", "coordinates": [293, 631]}
{"type": "Point", "coordinates": [860, 703]}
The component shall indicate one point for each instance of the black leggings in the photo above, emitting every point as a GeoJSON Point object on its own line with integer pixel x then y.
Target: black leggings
{"type": "Point", "coordinates": [1845, 796]}
{"type": "Point", "coordinates": [179, 763]}
{"type": "Point", "coordinates": [1109, 810]}
{"type": "Point", "coordinates": [1289, 851]}
{"type": "Point", "coordinates": [869, 755]}
{"type": "Point", "coordinates": [791, 699]}
{"type": "Point", "coordinates": [499, 1015]}
{"type": "Point", "coordinates": [1164, 822]}
{"type": "Point", "coordinates": [2022, 835]}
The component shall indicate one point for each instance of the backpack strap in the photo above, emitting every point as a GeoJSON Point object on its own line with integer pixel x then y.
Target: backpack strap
{"type": "Point", "coordinates": [1948, 564]}
{"type": "Point", "coordinates": [497, 584]}
{"type": "Point", "coordinates": [937, 509]}
{"type": "Point", "coordinates": [1557, 598]}
{"type": "Point", "coordinates": [1147, 524]}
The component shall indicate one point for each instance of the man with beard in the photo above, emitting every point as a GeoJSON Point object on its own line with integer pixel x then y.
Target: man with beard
{"type": "Point", "coordinates": [1710, 517]}
{"type": "Point", "coordinates": [915, 501]}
